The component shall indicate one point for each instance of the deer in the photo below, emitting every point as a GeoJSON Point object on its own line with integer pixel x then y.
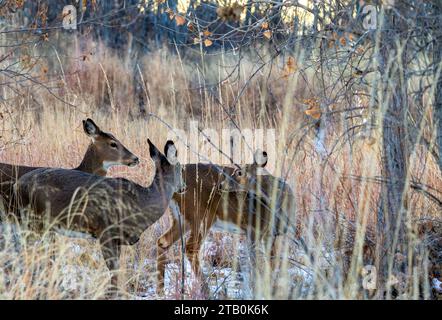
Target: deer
{"type": "Point", "coordinates": [103, 152]}
{"type": "Point", "coordinates": [115, 211]}
{"type": "Point", "coordinates": [217, 196]}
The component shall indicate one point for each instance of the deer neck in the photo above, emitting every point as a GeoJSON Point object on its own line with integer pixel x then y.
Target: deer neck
{"type": "Point", "coordinates": [158, 195]}
{"type": "Point", "coordinates": [92, 163]}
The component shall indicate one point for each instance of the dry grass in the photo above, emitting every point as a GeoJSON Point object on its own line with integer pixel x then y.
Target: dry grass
{"type": "Point", "coordinates": [336, 208]}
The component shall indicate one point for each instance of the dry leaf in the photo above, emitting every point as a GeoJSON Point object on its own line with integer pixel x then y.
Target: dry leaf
{"type": "Point", "coordinates": [265, 25]}
{"type": "Point", "coordinates": [208, 42]}
{"type": "Point", "coordinates": [313, 108]}
{"type": "Point", "coordinates": [26, 60]}
{"type": "Point", "coordinates": [232, 13]}
{"type": "Point", "coordinates": [315, 113]}
{"type": "Point", "coordinates": [267, 34]}
{"type": "Point", "coordinates": [190, 26]}
{"type": "Point", "coordinates": [360, 50]}
{"type": "Point", "coordinates": [180, 20]}
{"type": "Point", "coordinates": [170, 13]}
{"type": "Point", "coordinates": [196, 40]}
{"type": "Point", "coordinates": [343, 41]}
{"type": "Point", "coordinates": [207, 33]}
{"type": "Point", "coordinates": [291, 65]}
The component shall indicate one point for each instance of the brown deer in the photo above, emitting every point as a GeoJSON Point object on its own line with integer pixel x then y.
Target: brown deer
{"type": "Point", "coordinates": [113, 210]}
{"type": "Point", "coordinates": [104, 151]}
{"type": "Point", "coordinates": [223, 194]}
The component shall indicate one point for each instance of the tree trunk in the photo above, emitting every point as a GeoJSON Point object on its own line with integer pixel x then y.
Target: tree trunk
{"type": "Point", "coordinates": [437, 58]}
{"type": "Point", "coordinates": [395, 153]}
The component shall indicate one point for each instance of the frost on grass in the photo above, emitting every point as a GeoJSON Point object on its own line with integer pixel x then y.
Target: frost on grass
{"type": "Point", "coordinates": [48, 268]}
{"type": "Point", "coordinates": [65, 268]}
{"type": "Point", "coordinates": [229, 270]}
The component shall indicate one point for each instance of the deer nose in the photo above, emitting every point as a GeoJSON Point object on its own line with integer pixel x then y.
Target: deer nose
{"type": "Point", "coordinates": [134, 162]}
{"type": "Point", "coordinates": [183, 189]}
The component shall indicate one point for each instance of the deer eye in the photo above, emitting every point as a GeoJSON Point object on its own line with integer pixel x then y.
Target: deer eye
{"type": "Point", "coordinates": [240, 173]}
{"type": "Point", "coordinates": [113, 145]}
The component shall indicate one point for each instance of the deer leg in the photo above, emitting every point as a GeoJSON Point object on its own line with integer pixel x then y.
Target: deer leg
{"type": "Point", "coordinates": [163, 244]}
{"type": "Point", "coordinates": [193, 247]}
{"type": "Point", "coordinates": [252, 243]}
{"type": "Point", "coordinates": [249, 265]}
{"type": "Point", "coordinates": [274, 253]}
{"type": "Point", "coordinates": [111, 253]}
{"type": "Point", "coordinates": [6, 189]}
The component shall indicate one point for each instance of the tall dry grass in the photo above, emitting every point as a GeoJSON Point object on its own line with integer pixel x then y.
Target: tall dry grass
{"type": "Point", "coordinates": [337, 208]}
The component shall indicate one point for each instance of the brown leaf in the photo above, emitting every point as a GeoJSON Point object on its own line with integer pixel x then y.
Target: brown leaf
{"type": "Point", "coordinates": [360, 50]}
{"type": "Point", "coordinates": [313, 108]}
{"type": "Point", "coordinates": [315, 113]}
{"type": "Point", "coordinates": [208, 42]}
{"type": "Point", "coordinates": [343, 41]}
{"type": "Point", "coordinates": [265, 25]}
{"type": "Point", "coordinates": [170, 13]}
{"type": "Point", "coordinates": [291, 65]}
{"type": "Point", "coordinates": [180, 20]}
{"type": "Point", "coordinates": [267, 34]}
{"type": "Point", "coordinates": [351, 36]}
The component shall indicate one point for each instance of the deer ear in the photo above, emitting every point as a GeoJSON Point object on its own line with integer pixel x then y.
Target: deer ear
{"type": "Point", "coordinates": [90, 128]}
{"type": "Point", "coordinates": [153, 151]}
{"type": "Point", "coordinates": [171, 152]}
{"type": "Point", "coordinates": [260, 158]}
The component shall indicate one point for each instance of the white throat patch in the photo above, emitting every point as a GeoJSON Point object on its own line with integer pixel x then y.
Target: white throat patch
{"type": "Point", "coordinates": [262, 171]}
{"type": "Point", "coordinates": [108, 164]}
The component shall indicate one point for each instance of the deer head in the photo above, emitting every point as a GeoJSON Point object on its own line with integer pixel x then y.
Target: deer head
{"type": "Point", "coordinates": [106, 149]}
{"type": "Point", "coordinates": [245, 178]}
{"type": "Point", "coordinates": [168, 169]}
